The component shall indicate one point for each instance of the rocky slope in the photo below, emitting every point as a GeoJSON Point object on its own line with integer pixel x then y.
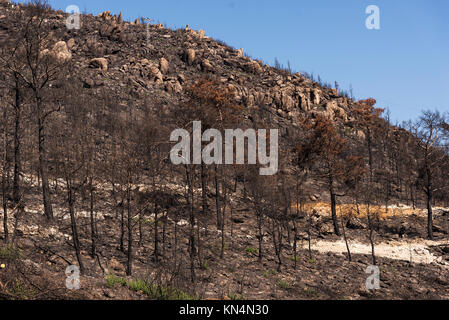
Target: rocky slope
{"type": "Point", "coordinates": [156, 61]}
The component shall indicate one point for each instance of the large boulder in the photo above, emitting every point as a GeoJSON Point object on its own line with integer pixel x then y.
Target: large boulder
{"type": "Point", "coordinates": [106, 15]}
{"type": "Point", "coordinates": [355, 223]}
{"type": "Point", "coordinates": [60, 53]}
{"type": "Point", "coordinates": [189, 56]}
{"type": "Point", "coordinates": [163, 66]}
{"type": "Point", "coordinates": [287, 101]}
{"type": "Point", "coordinates": [112, 31]}
{"type": "Point", "coordinates": [99, 63]}
{"type": "Point", "coordinates": [315, 96]}
{"type": "Point", "coordinates": [155, 75]}
{"type": "Point", "coordinates": [71, 43]}
{"type": "Point", "coordinates": [334, 110]}
{"type": "Point", "coordinates": [303, 102]}
{"type": "Point", "coordinates": [253, 67]}
{"type": "Point", "coordinates": [206, 65]}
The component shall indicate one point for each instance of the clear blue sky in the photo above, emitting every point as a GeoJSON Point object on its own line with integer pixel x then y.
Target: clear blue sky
{"type": "Point", "coordinates": [404, 65]}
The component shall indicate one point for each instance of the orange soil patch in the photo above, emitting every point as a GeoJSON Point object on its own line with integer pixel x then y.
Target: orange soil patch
{"type": "Point", "coordinates": [350, 210]}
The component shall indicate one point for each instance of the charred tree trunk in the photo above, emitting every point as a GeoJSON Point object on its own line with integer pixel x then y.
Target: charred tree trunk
{"type": "Point", "coordinates": [43, 167]}
{"type": "Point", "coordinates": [74, 227]}
{"type": "Point", "coordinates": [295, 243]}
{"type": "Point", "coordinates": [429, 195]}
{"type": "Point", "coordinates": [93, 235]}
{"type": "Point", "coordinates": [164, 232]}
{"type": "Point", "coordinates": [189, 177]}
{"type": "Point", "coordinates": [260, 234]}
{"type": "Point", "coordinates": [371, 234]}
{"type": "Point", "coordinates": [309, 236]}
{"type": "Point", "coordinates": [277, 242]}
{"type": "Point", "coordinates": [17, 144]}
{"type": "Point", "coordinates": [370, 151]}
{"type": "Point", "coordinates": [204, 189]}
{"type": "Point", "coordinates": [217, 199]}
{"type": "Point", "coordinates": [140, 228]}
{"type": "Point", "coordinates": [5, 212]}
{"type": "Point", "coordinates": [223, 216]}
{"type": "Point", "coordinates": [345, 238]}
{"type": "Point", "coordinates": [156, 231]}
{"type": "Point", "coordinates": [130, 232]}
{"type": "Point", "coordinates": [4, 197]}
{"type": "Point", "coordinates": [429, 215]}
{"type": "Point", "coordinates": [122, 227]}
{"type": "Point", "coordinates": [333, 205]}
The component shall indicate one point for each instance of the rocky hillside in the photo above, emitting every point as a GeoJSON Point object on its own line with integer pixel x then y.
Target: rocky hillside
{"type": "Point", "coordinates": [86, 180]}
{"type": "Point", "coordinates": [156, 61]}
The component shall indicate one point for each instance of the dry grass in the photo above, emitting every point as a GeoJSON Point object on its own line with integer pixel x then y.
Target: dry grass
{"type": "Point", "coordinates": [350, 210]}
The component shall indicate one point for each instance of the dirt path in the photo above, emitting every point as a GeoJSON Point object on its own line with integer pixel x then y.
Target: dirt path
{"type": "Point", "coordinates": [414, 251]}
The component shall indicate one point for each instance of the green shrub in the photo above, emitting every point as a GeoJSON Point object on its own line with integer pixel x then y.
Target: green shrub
{"type": "Point", "coordinates": [154, 292]}
{"type": "Point", "coordinates": [10, 253]}
{"type": "Point", "coordinates": [21, 291]}
{"type": "Point", "coordinates": [112, 280]}
{"type": "Point", "coordinates": [204, 265]}
{"type": "Point", "coordinates": [235, 296]}
{"type": "Point", "coordinates": [251, 250]}
{"type": "Point", "coordinates": [169, 293]}
{"type": "Point", "coordinates": [139, 285]}
{"type": "Point", "coordinates": [283, 284]}
{"type": "Point", "coordinates": [311, 292]}
{"type": "Point", "coordinates": [149, 221]}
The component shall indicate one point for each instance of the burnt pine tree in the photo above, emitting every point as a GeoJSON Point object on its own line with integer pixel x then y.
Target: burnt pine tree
{"type": "Point", "coordinates": [430, 133]}
{"type": "Point", "coordinates": [42, 66]}
{"type": "Point", "coordinates": [330, 166]}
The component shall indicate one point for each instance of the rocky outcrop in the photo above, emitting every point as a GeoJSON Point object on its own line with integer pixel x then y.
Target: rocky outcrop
{"type": "Point", "coordinates": [60, 53]}
{"type": "Point", "coordinates": [99, 63]}
{"type": "Point", "coordinates": [163, 65]}
{"type": "Point", "coordinates": [206, 65]}
{"type": "Point", "coordinates": [112, 31]}
{"type": "Point", "coordinates": [253, 67]}
{"type": "Point", "coordinates": [155, 74]}
{"type": "Point", "coordinates": [189, 56]}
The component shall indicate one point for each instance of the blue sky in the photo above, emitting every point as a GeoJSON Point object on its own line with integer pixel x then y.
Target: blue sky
{"type": "Point", "coordinates": [404, 65]}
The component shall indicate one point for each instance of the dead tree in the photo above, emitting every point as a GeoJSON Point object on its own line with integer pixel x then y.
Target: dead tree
{"type": "Point", "coordinates": [429, 132]}
{"type": "Point", "coordinates": [5, 169]}
{"type": "Point", "coordinates": [31, 45]}
{"type": "Point", "coordinates": [190, 203]}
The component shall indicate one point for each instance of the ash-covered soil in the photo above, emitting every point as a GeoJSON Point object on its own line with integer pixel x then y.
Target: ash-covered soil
{"type": "Point", "coordinates": [410, 266]}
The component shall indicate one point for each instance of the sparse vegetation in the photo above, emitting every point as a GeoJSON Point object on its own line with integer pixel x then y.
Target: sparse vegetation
{"type": "Point", "coordinates": [283, 284]}
{"type": "Point", "coordinates": [154, 292]}
{"type": "Point", "coordinates": [235, 296]}
{"type": "Point", "coordinates": [9, 252]}
{"type": "Point", "coordinates": [251, 250]}
{"type": "Point", "coordinates": [311, 292]}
